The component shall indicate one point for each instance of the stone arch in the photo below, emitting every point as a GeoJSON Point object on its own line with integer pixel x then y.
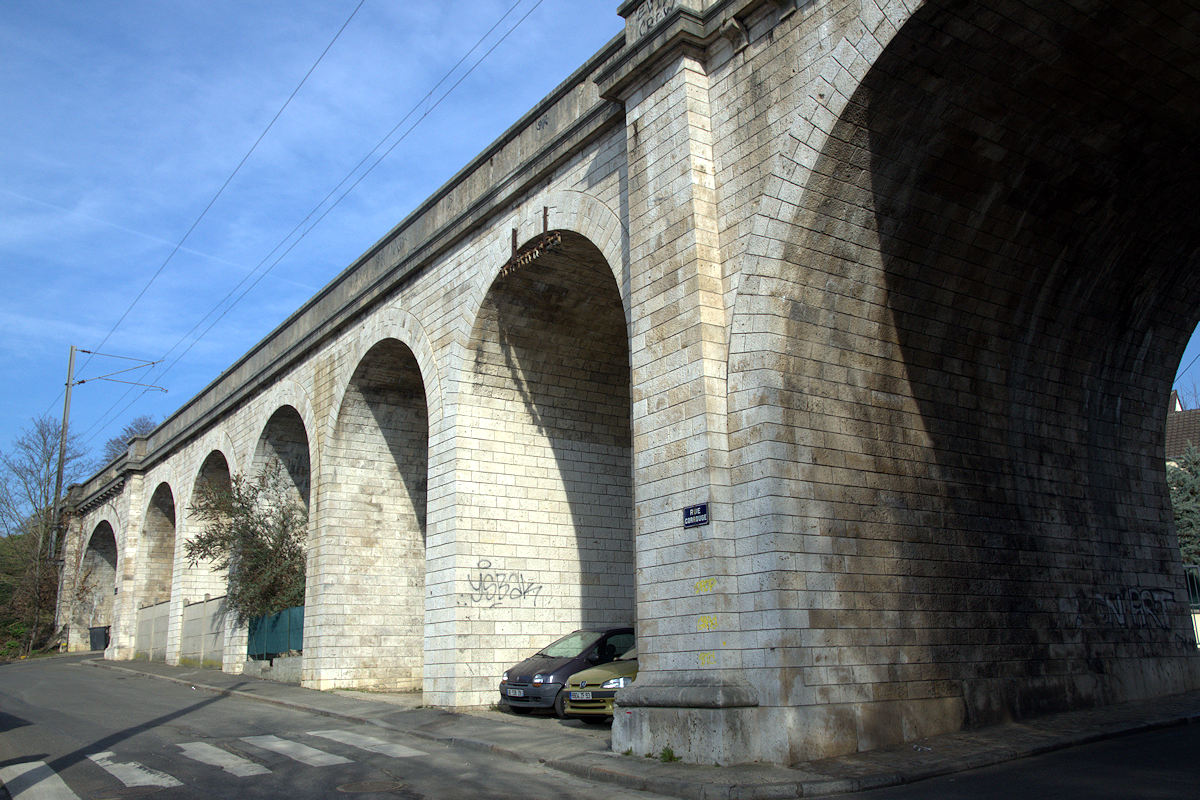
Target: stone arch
{"type": "Point", "coordinates": [204, 581]}
{"type": "Point", "coordinates": [156, 549]}
{"type": "Point", "coordinates": [286, 398]}
{"type": "Point", "coordinates": [97, 583]}
{"type": "Point", "coordinates": [201, 581]}
{"type": "Point", "coordinates": [953, 369]}
{"type": "Point", "coordinates": [366, 599]}
{"type": "Point", "coordinates": [545, 527]}
{"type": "Point", "coordinates": [216, 443]}
{"type": "Point", "coordinates": [845, 64]}
{"type": "Point", "coordinates": [577, 212]}
{"type": "Point", "coordinates": [284, 439]}
{"type": "Point", "coordinates": [389, 323]}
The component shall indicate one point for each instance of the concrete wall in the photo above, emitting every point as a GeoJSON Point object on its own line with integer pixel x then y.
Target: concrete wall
{"type": "Point", "coordinates": [204, 633]}
{"type": "Point", "coordinates": [153, 623]}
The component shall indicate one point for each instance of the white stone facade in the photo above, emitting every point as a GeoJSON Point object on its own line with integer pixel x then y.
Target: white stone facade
{"type": "Point", "coordinates": [827, 267]}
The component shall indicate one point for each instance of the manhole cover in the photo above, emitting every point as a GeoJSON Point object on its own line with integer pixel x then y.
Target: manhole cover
{"type": "Point", "coordinates": [367, 787]}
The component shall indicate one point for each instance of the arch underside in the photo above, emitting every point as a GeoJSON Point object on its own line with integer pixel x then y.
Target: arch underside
{"type": "Point", "coordinates": [970, 342]}
{"type": "Point", "coordinates": [366, 607]}
{"type": "Point", "coordinates": [94, 601]}
{"type": "Point", "coordinates": [156, 557]}
{"type": "Point", "coordinates": [545, 493]}
{"type": "Point", "coordinates": [202, 581]}
{"type": "Point", "coordinates": [285, 443]}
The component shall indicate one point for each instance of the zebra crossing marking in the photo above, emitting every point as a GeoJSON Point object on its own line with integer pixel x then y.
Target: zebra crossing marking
{"type": "Point", "coordinates": [34, 780]}
{"type": "Point", "coordinates": [294, 750]}
{"type": "Point", "coordinates": [369, 743]}
{"type": "Point", "coordinates": [132, 773]}
{"type": "Point", "coordinates": [206, 753]}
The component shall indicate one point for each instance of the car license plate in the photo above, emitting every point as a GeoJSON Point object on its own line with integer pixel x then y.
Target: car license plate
{"type": "Point", "coordinates": [515, 692]}
{"type": "Point", "coordinates": [581, 695]}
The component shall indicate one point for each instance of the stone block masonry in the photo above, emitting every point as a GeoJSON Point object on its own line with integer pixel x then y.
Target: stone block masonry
{"type": "Point", "coordinates": [895, 291]}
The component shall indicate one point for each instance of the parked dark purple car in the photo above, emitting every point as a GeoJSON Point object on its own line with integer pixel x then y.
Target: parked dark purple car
{"type": "Point", "coordinates": [538, 682]}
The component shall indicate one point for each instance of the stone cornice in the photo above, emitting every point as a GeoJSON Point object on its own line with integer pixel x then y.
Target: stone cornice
{"type": "Point", "coordinates": [411, 246]}
{"type": "Point", "coordinates": [98, 496]}
{"type": "Point", "coordinates": [681, 30]}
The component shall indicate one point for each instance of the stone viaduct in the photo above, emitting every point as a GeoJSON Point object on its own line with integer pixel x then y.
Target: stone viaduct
{"type": "Point", "coordinates": [896, 288]}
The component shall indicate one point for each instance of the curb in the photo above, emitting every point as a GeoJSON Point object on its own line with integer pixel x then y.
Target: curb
{"type": "Point", "coordinates": [433, 736]}
{"type": "Point", "coordinates": [100, 663]}
{"type": "Point", "coordinates": [590, 765]}
{"type": "Point", "coordinates": [672, 787]}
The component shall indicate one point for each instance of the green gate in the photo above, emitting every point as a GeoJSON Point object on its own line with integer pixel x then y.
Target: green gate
{"type": "Point", "coordinates": [276, 634]}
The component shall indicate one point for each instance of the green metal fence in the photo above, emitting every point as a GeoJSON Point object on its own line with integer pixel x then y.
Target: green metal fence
{"type": "Point", "coordinates": [276, 634]}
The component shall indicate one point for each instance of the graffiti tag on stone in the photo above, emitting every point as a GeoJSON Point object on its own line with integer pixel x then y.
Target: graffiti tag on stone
{"type": "Point", "coordinates": [649, 14]}
{"type": "Point", "coordinates": [1136, 607]}
{"type": "Point", "coordinates": [495, 587]}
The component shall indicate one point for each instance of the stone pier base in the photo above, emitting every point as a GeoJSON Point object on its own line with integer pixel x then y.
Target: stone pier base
{"type": "Point", "coordinates": [780, 735]}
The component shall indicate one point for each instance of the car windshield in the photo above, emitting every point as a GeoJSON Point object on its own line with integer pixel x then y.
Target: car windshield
{"type": "Point", "coordinates": [572, 644]}
{"type": "Point", "coordinates": [628, 655]}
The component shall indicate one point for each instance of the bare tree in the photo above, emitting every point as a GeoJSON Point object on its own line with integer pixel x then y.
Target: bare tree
{"type": "Point", "coordinates": [115, 447]}
{"type": "Point", "coordinates": [27, 474]}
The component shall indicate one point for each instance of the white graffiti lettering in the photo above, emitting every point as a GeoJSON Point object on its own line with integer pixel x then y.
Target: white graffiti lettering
{"type": "Point", "coordinates": [1135, 607]}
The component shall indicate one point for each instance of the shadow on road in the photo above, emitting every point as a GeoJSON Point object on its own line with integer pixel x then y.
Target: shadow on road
{"type": "Point", "coordinates": [59, 764]}
{"type": "Point", "coordinates": [8, 722]}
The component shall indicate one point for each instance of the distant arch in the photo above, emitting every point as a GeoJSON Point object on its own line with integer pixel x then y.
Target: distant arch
{"type": "Point", "coordinates": [156, 550]}
{"type": "Point", "coordinates": [98, 578]}
{"type": "Point", "coordinates": [369, 558]}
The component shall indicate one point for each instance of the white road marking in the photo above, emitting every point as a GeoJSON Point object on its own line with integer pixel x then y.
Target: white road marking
{"type": "Point", "coordinates": [206, 753]}
{"type": "Point", "coordinates": [133, 773]}
{"type": "Point", "coordinates": [33, 780]}
{"type": "Point", "coordinates": [369, 743]}
{"type": "Point", "coordinates": [300, 752]}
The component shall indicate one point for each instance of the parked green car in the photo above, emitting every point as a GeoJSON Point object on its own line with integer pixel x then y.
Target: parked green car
{"type": "Point", "coordinates": [590, 693]}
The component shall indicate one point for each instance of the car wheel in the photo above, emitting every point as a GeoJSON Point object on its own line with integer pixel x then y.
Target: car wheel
{"type": "Point", "coordinates": [594, 720]}
{"type": "Point", "coordinates": [560, 703]}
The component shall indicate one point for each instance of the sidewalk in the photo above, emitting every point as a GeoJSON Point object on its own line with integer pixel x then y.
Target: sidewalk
{"type": "Point", "coordinates": [582, 750]}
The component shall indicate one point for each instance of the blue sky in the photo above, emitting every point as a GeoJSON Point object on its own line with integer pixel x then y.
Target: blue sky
{"type": "Point", "coordinates": [122, 120]}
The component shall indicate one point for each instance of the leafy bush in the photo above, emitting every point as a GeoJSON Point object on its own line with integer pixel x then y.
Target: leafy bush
{"type": "Point", "coordinates": [13, 640]}
{"type": "Point", "coordinates": [255, 528]}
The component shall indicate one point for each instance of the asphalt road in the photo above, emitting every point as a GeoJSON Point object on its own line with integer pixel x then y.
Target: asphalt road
{"type": "Point", "coordinates": [73, 731]}
{"type": "Point", "coordinates": [1157, 765]}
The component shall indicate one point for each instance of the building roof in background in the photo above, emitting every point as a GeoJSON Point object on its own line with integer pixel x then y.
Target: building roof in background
{"type": "Point", "coordinates": [1182, 427]}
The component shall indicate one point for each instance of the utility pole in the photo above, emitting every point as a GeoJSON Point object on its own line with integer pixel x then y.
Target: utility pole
{"type": "Point", "coordinates": [56, 509]}
{"type": "Point", "coordinates": [62, 454]}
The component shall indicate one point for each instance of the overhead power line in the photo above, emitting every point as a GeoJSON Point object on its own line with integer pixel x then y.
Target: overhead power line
{"type": "Point", "coordinates": [350, 174]}
{"type": "Point", "coordinates": [1191, 363]}
{"type": "Point", "coordinates": [300, 227]}
{"type": "Point", "coordinates": [228, 180]}
{"type": "Point", "coordinates": [179, 245]}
